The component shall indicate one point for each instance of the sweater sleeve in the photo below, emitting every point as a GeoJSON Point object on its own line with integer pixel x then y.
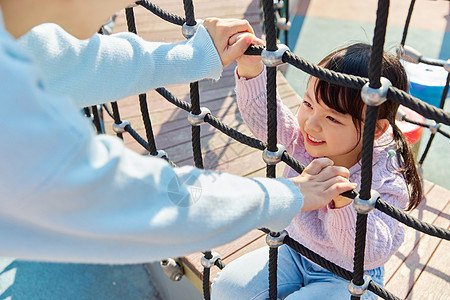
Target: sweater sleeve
{"type": "Point", "coordinates": [384, 234]}
{"type": "Point", "coordinates": [69, 195]}
{"type": "Point", "coordinates": [108, 68]}
{"type": "Point", "coordinates": [251, 96]}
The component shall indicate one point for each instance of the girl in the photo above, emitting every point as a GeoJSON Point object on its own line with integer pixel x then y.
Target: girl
{"type": "Point", "coordinates": [329, 124]}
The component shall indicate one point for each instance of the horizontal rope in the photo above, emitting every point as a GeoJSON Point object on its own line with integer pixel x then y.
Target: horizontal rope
{"type": "Point", "coordinates": [432, 62]}
{"type": "Point", "coordinates": [169, 17]}
{"type": "Point", "coordinates": [417, 224]}
{"type": "Point", "coordinates": [341, 272]}
{"type": "Point", "coordinates": [425, 125]}
{"type": "Point", "coordinates": [357, 82]}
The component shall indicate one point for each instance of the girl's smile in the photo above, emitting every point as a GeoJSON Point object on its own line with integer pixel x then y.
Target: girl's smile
{"type": "Point", "coordinates": [328, 133]}
{"type": "Point", "coordinates": [314, 141]}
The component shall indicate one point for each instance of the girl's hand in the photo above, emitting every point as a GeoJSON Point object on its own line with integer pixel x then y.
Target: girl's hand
{"type": "Point", "coordinates": [221, 30]}
{"type": "Point", "coordinates": [249, 66]}
{"type": "Point", "coordinates": [322, 182]}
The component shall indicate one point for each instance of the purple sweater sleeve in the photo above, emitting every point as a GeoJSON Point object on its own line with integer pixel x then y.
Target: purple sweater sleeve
{"type": "Point", "coordinates": [251, 98]}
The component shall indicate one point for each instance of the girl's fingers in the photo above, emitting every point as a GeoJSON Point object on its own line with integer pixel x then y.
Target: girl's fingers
{"type": "Point", "coordinates": [317, 165]}
{"type": "Point", "coordinates": [338, 185]}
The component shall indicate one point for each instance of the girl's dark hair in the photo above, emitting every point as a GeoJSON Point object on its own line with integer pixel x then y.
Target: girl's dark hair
{"type": "Point", "coordinates": [354, 60]}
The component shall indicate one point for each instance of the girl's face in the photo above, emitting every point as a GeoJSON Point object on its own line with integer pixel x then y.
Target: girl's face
{"type": "Point", "coordinates": [327, 132]}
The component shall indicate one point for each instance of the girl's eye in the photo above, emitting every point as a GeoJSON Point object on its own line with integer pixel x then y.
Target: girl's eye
{"type": "Point", "coordinates": [333, 120]}
{"type": "Point", "coordinates": [307, 104]}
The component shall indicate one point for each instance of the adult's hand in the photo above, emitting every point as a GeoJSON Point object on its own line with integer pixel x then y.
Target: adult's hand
{"type": "Point", "coordinates": [321, 182]}
{"type": "Point", "coordinates": [221, 30]}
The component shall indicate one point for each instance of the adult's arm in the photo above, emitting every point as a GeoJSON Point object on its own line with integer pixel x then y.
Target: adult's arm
{"type": "Point", "coordinates": [68, 195]}
{"type": "Point", "coordinates": [108, 68]}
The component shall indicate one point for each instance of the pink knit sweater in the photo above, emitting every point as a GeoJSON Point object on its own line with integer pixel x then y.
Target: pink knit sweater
{"type": "Point", "coordinates": [331, 232]}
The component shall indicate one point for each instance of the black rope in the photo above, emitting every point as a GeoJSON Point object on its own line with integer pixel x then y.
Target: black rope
{"type": "Point", "coordinates": [147, 124]}
{"type": "Point", "coordinates": [219, 263]}
{"type": "Point", "coordinates": [427, 148]}
{"type": "Point", "coordinates": [408, 19]}
{"type": "Point", "coordinates": [286, 14]}
{"type": "Point", "coordinates": [367, 151]}
{"type": "Point", "coordinates": [341, 272]}
{"type": "Point", "coordinates": [271, 109]}
{"type": "Point", "coordinates": [271, 89]}
{"type": "Point", "coordinates": [131, 24]}
{"type": "Point", "coordinates": [382, 292]}
{"type": "Point", "coordinates": [431, 62]}
{"type": "Point", "coordinates": [189, 11]}
{"type": "Point", "coordinates": [431, 138]}
{"type": "Point", "coordinates": [375, 64]}
{"type": "Point", "coordinates": [206, 275]}
{"type": "Point", "coordinates": [366, 183]}
{"type": "Point", "coordinates": [270, 25]}
{"type": "Point", "coordinates": [116, 116]}
{"type": "Point", "coordinates": [196, 139]}
{"type": "Point", "coordinates": [174, 19]}
{"type": "Point", "coordinates": [273, 266]}
{"type": "Point", "coordinates": [360, 246]}
{"type": "Point", "coordinates": [427, 110]}
{"type": "Point", "coordinates": [376, 56]}
{"type": "Point", "coordinates": [411, 221]}
{"type": "Point", "coordinates": [87, 112]}
{"type": "Point", "coordinates": [142, 97]}
{"type": "Point", "coordinates": [332, 267]}
{"type": "Point", "coordinates": [96, 121]}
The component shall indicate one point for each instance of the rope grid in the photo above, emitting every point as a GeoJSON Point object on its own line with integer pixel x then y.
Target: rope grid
{"type": "Point", "coordinates": [399, 96]}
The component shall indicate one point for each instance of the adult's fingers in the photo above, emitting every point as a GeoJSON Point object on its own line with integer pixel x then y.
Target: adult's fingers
{"type": "Point", "coordinates": [237, 49]}
{"type": "Point", "coordinates": [239, 35]}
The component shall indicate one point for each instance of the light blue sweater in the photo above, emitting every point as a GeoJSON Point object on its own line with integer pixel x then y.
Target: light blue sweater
{"type": "Point", "coordinates": [68, 195]}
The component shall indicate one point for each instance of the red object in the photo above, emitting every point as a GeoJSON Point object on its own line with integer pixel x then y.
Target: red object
{"type": "Point", "coordinates": [412, 132]}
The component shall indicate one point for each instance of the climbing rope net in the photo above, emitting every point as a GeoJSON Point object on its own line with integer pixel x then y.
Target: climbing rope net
{"type": "Point", "coordinates": [273, 55]}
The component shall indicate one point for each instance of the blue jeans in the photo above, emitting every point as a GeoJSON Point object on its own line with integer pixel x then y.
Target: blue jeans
{"type": "Point", "coordinates": [297, 278]}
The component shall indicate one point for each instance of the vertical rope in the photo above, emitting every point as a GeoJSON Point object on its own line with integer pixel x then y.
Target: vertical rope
{"type": "Point", "coordinates": [375, 66]}
{"type": "Point", "coordinates": [273, 258]}
{"type": "Point", "coordinates": [97, 124]}
{"type": "Point", "coordinates": [87, 112]}
{"type": "Point", "coordinates": [116, 116]}
{"type": "Point", "coordinates": [271, 45]}
{"type": "Point", "coordinates": [433, 134]}
{"type": "Point", "coordinates": [131, 23]}
{"type": "Point", "coordinates": [408, 19]}
{"type": "Point", "coordinates": [271, 41]}
{"type": "Point", "coordinates": [189, 12]}
{"type": "Point", "coordinates": [378, 44]}
{"type": "Point", "coordinates": [286, 14]}
{"type": "Point", "coordinates": [196, 142]}
{"type": "Point", "coordinates": [147, 124]}
{"type": "Point", "coordinates": [206, 276]}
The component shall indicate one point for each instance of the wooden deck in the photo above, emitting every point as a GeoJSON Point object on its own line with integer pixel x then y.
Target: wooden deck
{"type": "Point", "coordinates": [419, 270]}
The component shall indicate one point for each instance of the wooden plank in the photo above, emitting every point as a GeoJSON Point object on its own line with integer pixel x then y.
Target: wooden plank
{"type": "Point", "coordinates": [434, 282]}
{"type": "Point", "coordinates": [425, 213]}
{"type": "Point", "coordinates": [416, 260]}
